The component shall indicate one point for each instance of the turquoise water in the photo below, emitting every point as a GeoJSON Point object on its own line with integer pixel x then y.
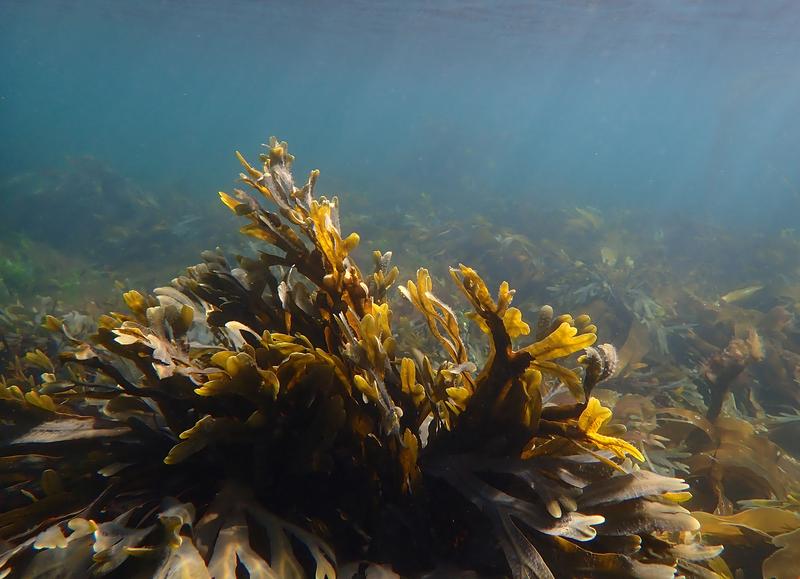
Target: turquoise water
{"type": "Point", "coordinates": [677, 106]}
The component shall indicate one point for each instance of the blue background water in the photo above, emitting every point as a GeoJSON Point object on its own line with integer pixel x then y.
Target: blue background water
{"type": "Point", "coordinates": [675, 106]}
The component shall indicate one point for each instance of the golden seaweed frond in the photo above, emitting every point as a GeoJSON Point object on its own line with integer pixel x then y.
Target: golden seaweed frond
{"type": "Point", "coordinates": [328, 237]}
{"type": "Point", "coordinates": [560, 343]}
{"type": "Point", "coordinates": [592, 419]}
{"type": "Point", "coordinates": [30, 399]}
{"type": "Point", "coordinates": [383, 277]}
{"type": "Point", "coordinates": [508, 387]}
{"type": "Point", "coordinates": [440, 318]}
{"type": "Point", "coordinates": [409, 383]}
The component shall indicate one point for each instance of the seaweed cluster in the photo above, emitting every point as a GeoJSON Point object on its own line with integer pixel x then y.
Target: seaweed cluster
{"type": "Point", "coordinates": [263, 418]}
{"type": "Point", "coordinates": [709, 363]}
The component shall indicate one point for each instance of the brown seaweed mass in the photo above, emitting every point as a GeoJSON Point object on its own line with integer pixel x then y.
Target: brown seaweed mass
{"type": "Point", "coordinates": [265, 419]}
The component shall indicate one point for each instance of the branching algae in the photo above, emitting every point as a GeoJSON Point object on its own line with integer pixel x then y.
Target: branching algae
{"type": "Point", "coordinates": [257, 420]}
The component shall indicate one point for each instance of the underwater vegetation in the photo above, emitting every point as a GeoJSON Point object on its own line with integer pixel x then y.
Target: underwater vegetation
{"type": "Point", "coordinates": [706, 379]}
{"type": "Point", "coordinates": [264, 417]}
{"type": "Point", "coordinates": [66, 228]}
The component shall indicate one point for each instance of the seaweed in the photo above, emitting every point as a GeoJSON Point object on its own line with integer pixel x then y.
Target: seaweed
{"type": "Point", "coordinates": [691, 348]}
{"type": "Point", "coordinates": [259, 418]}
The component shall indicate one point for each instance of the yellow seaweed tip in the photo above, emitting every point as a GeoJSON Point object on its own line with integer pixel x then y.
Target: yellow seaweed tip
{"type": "Point", "coordinates": [592, 419]}
{"type": "Point", "coordinates": [229, 201]}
